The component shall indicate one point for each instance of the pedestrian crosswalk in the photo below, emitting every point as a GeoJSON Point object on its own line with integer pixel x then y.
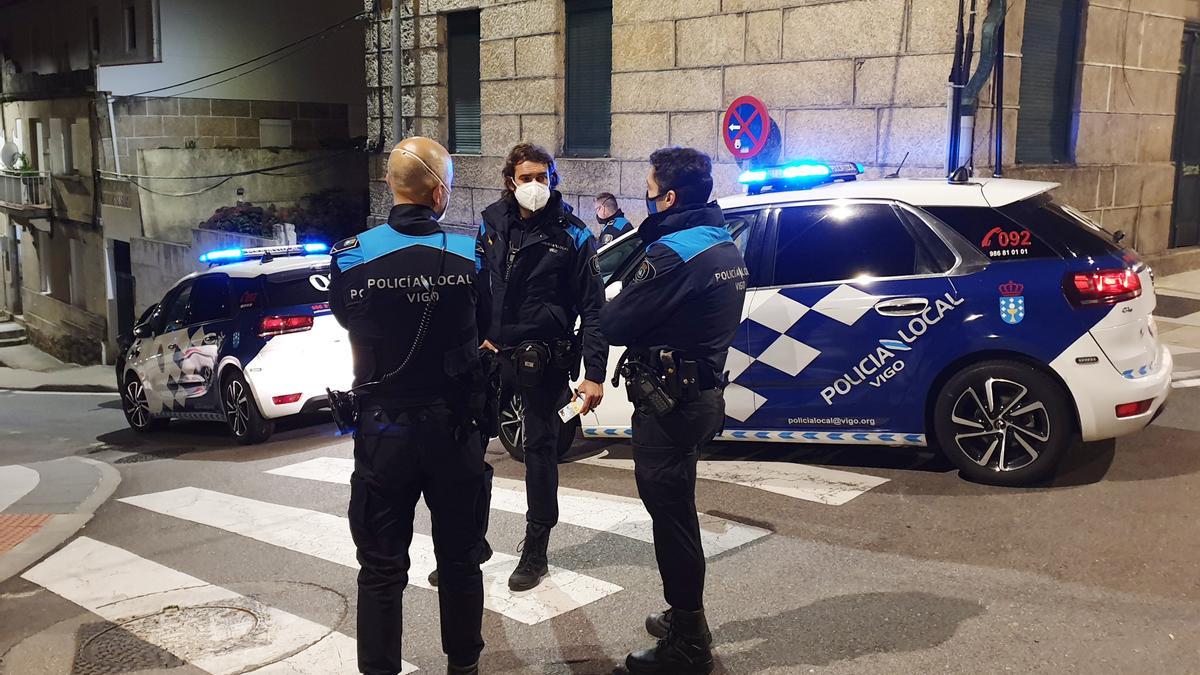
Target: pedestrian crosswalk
{"type": "Point", "coordinates": [204, 624]}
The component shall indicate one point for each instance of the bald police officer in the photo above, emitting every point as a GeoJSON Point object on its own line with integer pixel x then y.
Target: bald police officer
{"type": "Point", "coordinates": [407, 292]}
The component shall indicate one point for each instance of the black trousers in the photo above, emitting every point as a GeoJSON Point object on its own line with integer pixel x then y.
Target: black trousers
{"type": "Point", "coordinates": [400, 454]}
{"type": "Point", "coordinates": [665, 450]}
{"type": "Point", "coordinates": [542, 429]}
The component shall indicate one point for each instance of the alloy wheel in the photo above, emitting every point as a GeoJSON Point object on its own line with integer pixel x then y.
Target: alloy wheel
{"type": "Point", "coordinates": [1000, 426]}
{"type": "Point", "coordinates": [512, 422]}
{"type": "Point", "coordinates": [137, 408]}
{"type": "Point", "coordinates": [237, 408]}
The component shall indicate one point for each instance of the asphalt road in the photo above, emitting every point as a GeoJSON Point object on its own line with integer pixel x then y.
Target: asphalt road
{"type": "Point", "coordinates": [875, 561]}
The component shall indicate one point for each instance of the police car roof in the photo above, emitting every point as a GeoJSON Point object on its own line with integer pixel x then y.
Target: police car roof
{"type": "Point", "coordinates": [249, 269]}
{"type": "Point", "coordinates": [915, 191]}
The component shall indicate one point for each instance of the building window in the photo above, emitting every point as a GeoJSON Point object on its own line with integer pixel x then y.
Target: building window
{"type": "Point", "coordinates": [462, 57]}
{"type": "Point", "coordinates": [589, 77]}
{"type": "Point", "coordinates": [1050, 61]}
{"type": "Point", "coordinates": [131, 28]}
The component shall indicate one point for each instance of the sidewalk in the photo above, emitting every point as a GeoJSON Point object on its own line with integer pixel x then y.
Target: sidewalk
{"type": "Point", "coordinates": [46, 503]}
{"type": "Point", "coordinates": [26, 368]}
{"type": "Point", "coordinates": [1178, 318]}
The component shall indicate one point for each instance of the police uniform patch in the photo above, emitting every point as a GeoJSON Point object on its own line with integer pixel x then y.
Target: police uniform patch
{"type": "Point", "coordinates": [344, 245]}
{"type": "Point", "coordinates": [594, 263]}
{"type": "Point", "coordinates": [644, 271]}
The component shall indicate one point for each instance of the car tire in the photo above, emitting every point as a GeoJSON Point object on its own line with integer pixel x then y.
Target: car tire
{"type": "Point", "coordinates": [242, 416]}
{"type": "Point", "coordinates": [137, 409]}
{"type": "Point", "coordinates": [512, 430]}
{"type": "Point", "coordinates": [1003, 423]}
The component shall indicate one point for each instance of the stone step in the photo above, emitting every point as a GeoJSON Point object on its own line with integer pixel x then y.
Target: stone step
{"type": "Point", "coordinates": [12, 334]}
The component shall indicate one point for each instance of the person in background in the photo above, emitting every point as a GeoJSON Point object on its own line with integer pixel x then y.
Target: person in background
{"type": "Point", "coordinates": [611, 219]}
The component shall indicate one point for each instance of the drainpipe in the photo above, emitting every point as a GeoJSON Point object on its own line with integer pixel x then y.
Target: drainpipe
{"type": "Point", "coordinates": [112, 126]}
{"type": "Point", "coordinates": [397, 74]}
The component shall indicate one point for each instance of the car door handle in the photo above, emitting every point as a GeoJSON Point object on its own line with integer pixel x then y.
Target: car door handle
{"type": "Point", "coordinates": [902, 307]}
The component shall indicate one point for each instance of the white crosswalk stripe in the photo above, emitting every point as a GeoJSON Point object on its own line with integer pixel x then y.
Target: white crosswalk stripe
{"type": "Point", "coordinates": [798, 481]}
{"type": "Point", "coordinates": [615, 514]}
{"type": "Point", "coordinates": [16, 481]}
{"type": "Point", "coordinates": [220, 634]}
{"type": "Point", "coordinates": [327, 537]}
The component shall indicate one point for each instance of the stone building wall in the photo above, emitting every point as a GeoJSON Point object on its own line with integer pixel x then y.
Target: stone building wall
{"type": "Point", "coordinates": [144, 123]}
{"type": "Point", "coordinates": [858, 80]}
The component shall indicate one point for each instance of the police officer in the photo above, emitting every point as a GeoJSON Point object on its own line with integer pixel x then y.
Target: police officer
{"type": "Point", "coordinates": [407, 292]}
{"type": "Point", "coordinates": [540, 262]}
{"type": "Point", "coordinates": [678, 318]}
{"type": "Point", "coordinates": [610, 218]}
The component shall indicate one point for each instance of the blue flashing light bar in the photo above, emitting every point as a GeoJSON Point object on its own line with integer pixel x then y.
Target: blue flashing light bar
{"type": "Point", "coordinates": [231, 255]}
{"type": "Point", "coordinates": [799, 175]}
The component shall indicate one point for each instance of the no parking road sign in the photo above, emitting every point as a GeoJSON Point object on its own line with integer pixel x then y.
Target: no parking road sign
{"type": "Point", "coordinates": [747, 127]}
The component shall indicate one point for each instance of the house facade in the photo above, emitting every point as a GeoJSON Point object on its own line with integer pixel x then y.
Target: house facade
{"type": "Point", "coordinates": [1095, 97]}
{"type": "Point", "coordinates": [108, 107]}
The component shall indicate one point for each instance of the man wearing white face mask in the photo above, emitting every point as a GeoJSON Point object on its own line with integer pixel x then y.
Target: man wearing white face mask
{"type": "Point", "coordinates": [540, 262]}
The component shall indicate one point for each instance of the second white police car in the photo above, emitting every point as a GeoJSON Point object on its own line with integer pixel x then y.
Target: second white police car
{"type": "Point", "coordinates": [246, 342]}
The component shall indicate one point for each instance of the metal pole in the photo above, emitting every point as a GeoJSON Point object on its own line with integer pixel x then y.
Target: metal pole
{"type": "Point", "coordinates": [956, 93]}
{"type": "Point", "coordinates": [999, 101]}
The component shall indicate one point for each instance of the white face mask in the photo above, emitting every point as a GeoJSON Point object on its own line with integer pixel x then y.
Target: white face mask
{"type": "Point", "coordinates": [533, 195]}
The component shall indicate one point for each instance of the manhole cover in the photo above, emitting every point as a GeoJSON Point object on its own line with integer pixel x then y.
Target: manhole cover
{"type": "Point", "coordinates": [105, 648]}
{"type": "Point", "coordinates": [187, 632]}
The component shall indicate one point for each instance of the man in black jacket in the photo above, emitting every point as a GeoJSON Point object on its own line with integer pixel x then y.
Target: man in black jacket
{"type": "Point", "coordinates": [539, 260]}
{"type": "Point", "coordinates": [410, 297]}
{"type": "Point", "coordinates": [610, 217]}
{"type": "Point", "coordinates": [678, 317]}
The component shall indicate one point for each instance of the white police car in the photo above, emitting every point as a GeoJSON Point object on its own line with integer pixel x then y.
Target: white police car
{"type": "Point", "coordinates": [982, 317]}
{"type": "Point", "coordinates": [246, 342]}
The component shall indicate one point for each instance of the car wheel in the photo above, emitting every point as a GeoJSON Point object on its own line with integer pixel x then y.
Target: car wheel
{"type": "Point", "coordinates": [1003, 423]}
{"type": "Point", "coordinates": [512, 430]}
{"type": "Point", "coordinates": [245, 421]}
{"type": "Point", "coordinates": [137, 407]}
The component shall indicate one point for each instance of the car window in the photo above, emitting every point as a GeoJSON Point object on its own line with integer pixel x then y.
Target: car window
{"type": "Point", "coordinates": [993, 233]}
{"type": "Point", "coordinates": [299, 287]}
{"type": "Point", "coordinates": [247, 293]}
{"type": "Point", "coordinates": [1065, 228]}
{"type": "Point", "coordinates": [610, 260]}
{"type": "Point", "coordinates": [623, 265]}
{"type": "Point", "coordinates": [174, 315]}
{"type": "Point", "coordinates": [834, 242]}
{"type": "Point", "coordinates": [210, 299]}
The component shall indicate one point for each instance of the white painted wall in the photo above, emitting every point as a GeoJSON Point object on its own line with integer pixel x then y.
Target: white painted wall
{"type": "Point", "coordinates": [203, 37]}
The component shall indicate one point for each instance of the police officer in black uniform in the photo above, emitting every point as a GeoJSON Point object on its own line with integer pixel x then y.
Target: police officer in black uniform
{"type": "Point", "coordinates": [678, 318]}
{"type": "Point", "coordinates": [610, 217]}
{"type": "Point", "coordinates": [540, 262]}
{"type": "Point", "coordinates": [408, 293]}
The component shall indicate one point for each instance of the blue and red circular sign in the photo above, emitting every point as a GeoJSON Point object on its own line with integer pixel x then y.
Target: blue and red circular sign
{"type": "Point", "coordinates": [746, 128]}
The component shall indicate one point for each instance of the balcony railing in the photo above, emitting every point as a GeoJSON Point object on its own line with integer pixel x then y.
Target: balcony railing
{"type": "Point", "coordinates": [25, 190]}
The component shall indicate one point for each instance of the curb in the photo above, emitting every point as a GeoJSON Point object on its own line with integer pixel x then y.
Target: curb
{"type": "Point", "coordinates": [61, 526]}
{"type": "Point", "coordinates": [66, 388]}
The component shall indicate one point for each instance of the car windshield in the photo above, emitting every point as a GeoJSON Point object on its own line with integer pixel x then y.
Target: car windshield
{"type": "Point", "coordinates": [1063, 227]}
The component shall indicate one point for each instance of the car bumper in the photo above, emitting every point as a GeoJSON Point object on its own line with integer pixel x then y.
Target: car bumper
{"type": "Point", "coordinates": [1098, 389]}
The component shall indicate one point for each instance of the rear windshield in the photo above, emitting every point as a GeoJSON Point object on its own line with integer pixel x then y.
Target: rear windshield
{"type": "Point", "coordinates": [301, 287]}
{"type": "Point", "coordinates": [1066, 229]}
{"type": "Point", "coordinates": [1034, 228]}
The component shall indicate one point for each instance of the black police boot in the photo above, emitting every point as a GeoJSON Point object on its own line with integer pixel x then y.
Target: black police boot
{"type": "Point", "coordinates": [684, 651]}
{"type": "Point", "coordinates": [533, 566]}
{"type": "Point", "coordinates": [472, 669]}
{"type": "Point", "coordinates": [658, 624]}
{"type": "Point", "coordinates": [433, 576]}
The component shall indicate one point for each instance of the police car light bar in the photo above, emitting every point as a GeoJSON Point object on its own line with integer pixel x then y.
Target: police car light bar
{"type": "Point", "coordinates": [231, 255]}
{"type": "Point", "coordinates": [799, 175]}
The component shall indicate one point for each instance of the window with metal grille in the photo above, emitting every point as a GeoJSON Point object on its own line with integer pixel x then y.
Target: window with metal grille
{"type": "Point", "coordinates": [462, 59]}
{"type": "Point", "coordinates": [1050, 61]}
{"type": "Point", "coordinates": [589, 77]}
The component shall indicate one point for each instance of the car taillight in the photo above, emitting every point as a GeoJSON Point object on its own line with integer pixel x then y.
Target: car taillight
{"type": "Point", "coordinates": [1102, 287]}
{"type": "Point", "coordinates": [286, 398]}
{"type": "Point", "coordinates": [278, 325]}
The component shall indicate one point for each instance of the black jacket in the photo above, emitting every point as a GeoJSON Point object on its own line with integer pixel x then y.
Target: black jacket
{"type": "Point", "coordinates": [687, 295]}
{"type": "Point", "coordinates": [381, 282]}
{"type": "Point", "coordinates": [615, 227]}
{"type": "Point", "coordinates": [542, 276]}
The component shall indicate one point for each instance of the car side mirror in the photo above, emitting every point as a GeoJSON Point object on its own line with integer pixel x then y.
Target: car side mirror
{"type": "Point", "coordinates": [142, 330]}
